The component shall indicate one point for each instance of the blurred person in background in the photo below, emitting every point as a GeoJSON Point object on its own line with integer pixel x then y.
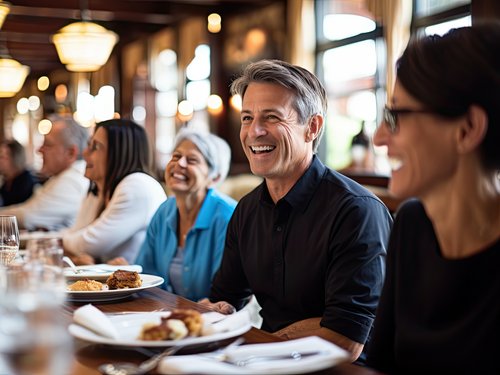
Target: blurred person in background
{"type": "Point", "coordinates": [113, 217]}
{"type": "Point", "coordinates": [439, 311]}
{"type": "Point", "coordinates": [185, 239]}
{"type": "Point", "coordinates": [54, 205]}
{"type": "Point", "coordinates": [18, 182]}
{"type": "Point", "coordinates": [308, 242]}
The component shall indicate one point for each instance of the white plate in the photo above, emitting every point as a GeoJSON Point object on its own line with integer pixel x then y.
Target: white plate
{"type": "Point", "coordinates": [129, 327]}
{"type": "Point", "coordinates": [97, 271]}
{"type": "Point", "coordinates": [148, 281]}
{"type": "Point", "coordinates": [328, 355]}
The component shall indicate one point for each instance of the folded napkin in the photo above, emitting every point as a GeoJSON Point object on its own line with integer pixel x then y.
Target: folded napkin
{"type": "Point", "coordinates": [217, 323]}
{"type": "Point", "coordinates": [94, 319]}
{"type": "Point", "coordinates": [328, 355]}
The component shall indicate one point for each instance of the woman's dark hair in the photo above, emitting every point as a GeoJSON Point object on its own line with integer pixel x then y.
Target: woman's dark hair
{"type": "Point", "coordinates": [128, 152]}
{"type": "Point", "coordinates": [450, 73]}
{"type": "Point", "coordinates": [17, 153]}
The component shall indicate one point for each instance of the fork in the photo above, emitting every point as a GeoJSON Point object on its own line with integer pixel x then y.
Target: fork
{"type": "Point", "coordinates": [296, 356]}
{"type": "Point", "coordinates": [133, 369]}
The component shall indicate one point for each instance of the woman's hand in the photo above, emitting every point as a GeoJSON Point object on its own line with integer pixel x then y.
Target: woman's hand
{"type": "Point", "coordinates": [220, 307]}
{"type": "Point", "coordinates": [82, 259]}
{"type": "Point", "coordinates": [119, 261]}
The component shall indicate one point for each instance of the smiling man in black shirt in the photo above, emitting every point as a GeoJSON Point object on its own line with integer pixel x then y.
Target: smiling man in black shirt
{"type": "Point", "coordinates": [308, 242]}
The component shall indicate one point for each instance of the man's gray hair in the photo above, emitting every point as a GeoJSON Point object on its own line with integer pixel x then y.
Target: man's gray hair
{"type": "Point", "coordinates": [310, 95]}
{"type": "Point", "coordinates": [73, 133]}
{"type": "Point", "coordinates": [214, 149]}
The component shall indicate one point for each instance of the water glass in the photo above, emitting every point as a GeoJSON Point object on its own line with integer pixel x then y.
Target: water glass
{"type": "Point", "coordinates": [33, 331]}
{"type": "Point", "coordinates": [9, 239]}
{"type": "Point", "coordinates": [44, 258]}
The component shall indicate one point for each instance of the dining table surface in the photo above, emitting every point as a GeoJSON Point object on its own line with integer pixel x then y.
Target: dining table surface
{"type": "Point", "coordinates": [88, 356]}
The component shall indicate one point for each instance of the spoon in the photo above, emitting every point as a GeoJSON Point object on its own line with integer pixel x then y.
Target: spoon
{"type": "Point", "coordinates": [70, 263]}
{"type": "Point", "coordinates": [126, 368]}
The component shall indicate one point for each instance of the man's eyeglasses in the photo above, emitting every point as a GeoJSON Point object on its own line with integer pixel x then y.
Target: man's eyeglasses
{"type": "Point", "coordinates": [391, 116]}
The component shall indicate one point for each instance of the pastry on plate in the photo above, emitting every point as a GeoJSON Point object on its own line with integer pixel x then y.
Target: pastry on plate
{"type": "Point", "coordinates": [85, 285]}
{"type": "Point", "coordinates": [179, 324]}
{"type": "Point", "coordinates": [121, 279]}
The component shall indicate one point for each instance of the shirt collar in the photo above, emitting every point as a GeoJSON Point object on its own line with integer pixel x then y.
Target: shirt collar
{"type": "Point", "coordinates": [207, 211]}
{"type": "Point", "coordinates": [302, 192]}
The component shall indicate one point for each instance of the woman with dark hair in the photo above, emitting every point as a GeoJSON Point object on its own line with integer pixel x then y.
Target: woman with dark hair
{"type": "Point", "coordinates": [439, 310]}
{"type": "Point", "coordinates": [18, 181]}
{"type": "Point", "coordinates": [113, 218]}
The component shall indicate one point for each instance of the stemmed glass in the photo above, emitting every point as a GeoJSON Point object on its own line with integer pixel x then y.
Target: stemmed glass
{"type": "Point", "coordinates": [9, 239]}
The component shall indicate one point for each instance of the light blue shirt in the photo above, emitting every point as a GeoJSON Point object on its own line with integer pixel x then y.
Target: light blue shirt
{"type": "Point", "coordinates": [203, 247]}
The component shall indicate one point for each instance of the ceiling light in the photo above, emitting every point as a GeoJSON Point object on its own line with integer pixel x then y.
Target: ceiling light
{"type": "Point", "coordinates": [12, 75]}
{"type": "Point", "coordinates": [84, 46]}
{"type": "Point", "coordinates": [4, 10]}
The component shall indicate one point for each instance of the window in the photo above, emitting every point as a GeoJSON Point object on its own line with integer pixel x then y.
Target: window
{"type": "Point", "coordinates": [165, 68]}
{"type": "Point", "coordinates": [349, 61]}
{"type": "Point", "coordinates": [439, 16]}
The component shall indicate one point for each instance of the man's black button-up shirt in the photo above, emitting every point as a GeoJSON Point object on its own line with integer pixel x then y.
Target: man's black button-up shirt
{"type": "Point", "coordinates": [318, 252]}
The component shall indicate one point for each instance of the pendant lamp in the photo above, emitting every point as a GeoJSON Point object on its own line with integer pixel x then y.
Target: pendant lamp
{"type": "Point", "coordinates": [4, 10]}
{"type": "Point", "coordinates": [12, 74]}
{"type": "Point", "coordinates": [84, 46]}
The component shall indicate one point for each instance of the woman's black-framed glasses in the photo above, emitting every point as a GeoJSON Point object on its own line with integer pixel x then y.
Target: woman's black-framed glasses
{"type": "Point", "coordinates": [391, 116]}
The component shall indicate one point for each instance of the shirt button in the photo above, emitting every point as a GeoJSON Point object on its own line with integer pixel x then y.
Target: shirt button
{"type": "Point", "coordinates": [278, 228]}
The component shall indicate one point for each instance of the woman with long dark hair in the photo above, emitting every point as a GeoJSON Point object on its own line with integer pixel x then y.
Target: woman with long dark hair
{"type": "Point", "coordinates": [113, 218]}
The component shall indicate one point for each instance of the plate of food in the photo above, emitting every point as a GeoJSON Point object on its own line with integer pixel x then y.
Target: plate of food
{"type": "Point", "coordinates": [120, 284]}
{"type": "Point", "coordinates": [186, 327]}
{"type": "Point", "coordinates": [97, 271]}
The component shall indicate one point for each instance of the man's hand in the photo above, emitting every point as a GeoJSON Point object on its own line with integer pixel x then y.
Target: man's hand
{"type": "Point", "coordinates": [311, 327]}
{"type": "Point", "coordinates": [220, 307]}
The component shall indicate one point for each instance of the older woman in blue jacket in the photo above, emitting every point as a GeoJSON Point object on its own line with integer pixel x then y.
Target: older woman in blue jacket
{"type": "Point", "coordinates": [185, 238]}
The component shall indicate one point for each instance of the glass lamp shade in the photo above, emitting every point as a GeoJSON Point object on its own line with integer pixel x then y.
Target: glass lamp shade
{"type": "Point", "coordinates": [12, 76]}
{"type": "Point", "coordinates": [84, 46]}
{"type": "Point", "coordinates": [4, 10]}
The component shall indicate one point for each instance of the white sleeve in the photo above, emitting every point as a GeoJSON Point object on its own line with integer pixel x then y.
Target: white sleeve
{"type": "Point", "coordinates": [54, 205]}
{"type": "Point", "coordinates": [130, 209]}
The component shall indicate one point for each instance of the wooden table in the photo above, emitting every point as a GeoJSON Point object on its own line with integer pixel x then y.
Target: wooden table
{"type": "Point", "coordinates": [88, 357]}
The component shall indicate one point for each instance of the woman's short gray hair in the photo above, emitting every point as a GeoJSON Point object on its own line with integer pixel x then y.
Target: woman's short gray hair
{"type": "Point", "coordinates": [214, 149]}
{"type": "Point", "coordinates": [310, 95]}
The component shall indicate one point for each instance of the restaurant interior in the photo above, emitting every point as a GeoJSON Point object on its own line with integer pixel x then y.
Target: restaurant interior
{"type": "Point", "coordinates": [167, 64]}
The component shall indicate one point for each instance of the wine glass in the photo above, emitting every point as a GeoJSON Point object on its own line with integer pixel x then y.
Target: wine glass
{"type": "Point", "coordinates": [9, 239]}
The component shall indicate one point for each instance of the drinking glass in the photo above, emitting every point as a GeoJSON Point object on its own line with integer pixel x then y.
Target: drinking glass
{"type": "Point", "coordinates": [44, 260]}
{"type": "Point", "coordinates": [34, 338]}
{"type": "Point", "coordinates": [9, 239]}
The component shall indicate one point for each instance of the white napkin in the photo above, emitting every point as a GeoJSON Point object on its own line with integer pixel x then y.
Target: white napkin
{"type": "Point", "coordinates": [330, 355]}
{"type": "Point", "coordinates": [94, 319]}
{"type": "Point", "coordinates": [217, 323]}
